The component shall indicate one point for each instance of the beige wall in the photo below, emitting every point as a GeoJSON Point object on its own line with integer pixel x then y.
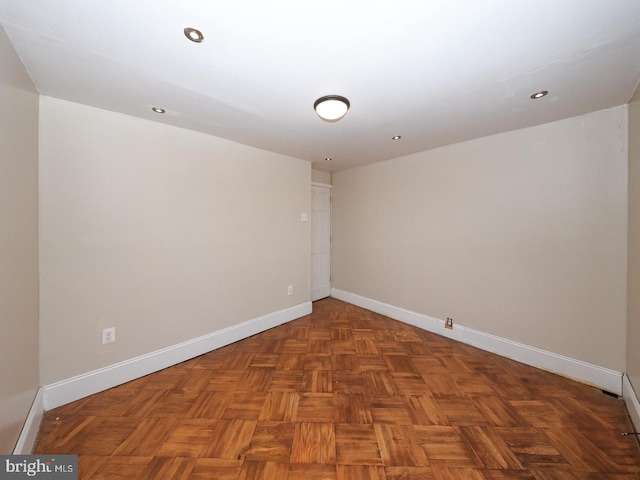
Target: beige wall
{"type": "Point", "coordinates": [522, 235]}
{"type": "Point", "coordinates": [633, 292]}
{"type": "Point", "coordinates": [18, 244]}
{"type": "Point", "coordinates": [164, 233]}
{"type": "Point", "coordinates": [321, 177]}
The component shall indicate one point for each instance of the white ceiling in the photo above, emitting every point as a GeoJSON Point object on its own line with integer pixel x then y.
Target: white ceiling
{"type": "Point", "coordinates": [434, 71]}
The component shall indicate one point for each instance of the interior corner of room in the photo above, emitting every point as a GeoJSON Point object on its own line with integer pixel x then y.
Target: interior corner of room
{"type": "Point", "coordinates": [183, 241]}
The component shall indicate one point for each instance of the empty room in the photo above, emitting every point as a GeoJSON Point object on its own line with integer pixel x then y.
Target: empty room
{"type": "Point", "coordinates": [344, 240]}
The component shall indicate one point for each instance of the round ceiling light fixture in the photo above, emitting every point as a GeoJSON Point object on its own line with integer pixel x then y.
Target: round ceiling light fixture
{"type": "Point", "coordinates": [540, 94]}
{"type": "Point", "coordinates": [193, 34]}
{"type": "Point", "coordinates": [396, 137]}
{"type": "Point", "coordinates": [331, 108]}
{"type": "Point", "coordinates": [158, 109]}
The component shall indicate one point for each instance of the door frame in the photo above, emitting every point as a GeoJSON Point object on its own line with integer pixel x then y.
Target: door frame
{"type": "Point", "coordinates": [329, 187]}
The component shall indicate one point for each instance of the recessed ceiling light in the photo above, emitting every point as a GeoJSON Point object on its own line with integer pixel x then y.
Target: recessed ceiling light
{"type": "Point", "coordinates": [328, 159]}
{"type": "Point", "coordinates": [331, 108]}
{"type": "Point", "coordinates": [193, 34]}
{"type": "Point", "coordinates": [158, 110]}
{"type": "Point", "coordinates": [540, 94]}
{"type": "Point", "coordinates": [396, 137]}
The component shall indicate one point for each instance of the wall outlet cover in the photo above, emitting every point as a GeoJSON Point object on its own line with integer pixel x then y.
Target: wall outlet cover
{"type": "Point", "coordinates": [108, 335]}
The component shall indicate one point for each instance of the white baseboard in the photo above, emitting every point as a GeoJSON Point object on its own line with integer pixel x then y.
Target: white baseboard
{"type": "Point", "coordinates": [601, 377]}
{"type": "Point", "coordinates": [631, 399]}
{"type": "Point", "coordinates": [27, 438]}
{"type": "Point", "coordinates": [80, 386]}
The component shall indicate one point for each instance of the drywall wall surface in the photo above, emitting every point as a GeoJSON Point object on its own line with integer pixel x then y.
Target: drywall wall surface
{"type": "Point", "coordinates": [633, 286]}
{"type": "Point", "coordinates": [163, 233]}
{"type": "Point", "coordinates": [522, 235]}
{"type": "Point", "coordinates": [321, 177]}
{"type": "Point", "coordinates": [19, 375]}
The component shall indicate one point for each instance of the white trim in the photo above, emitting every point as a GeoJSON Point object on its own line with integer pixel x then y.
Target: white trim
{"type": "Point", "coordinates": [601, 377]}
{"type": "Point", "coordinates": [80, 386]}
{"type": "Point", "coordinates": [27, 438]}
{"type": "Point", "coordinates": [320, 184]}
{"type": "Point", "coordinates": [631, 399]}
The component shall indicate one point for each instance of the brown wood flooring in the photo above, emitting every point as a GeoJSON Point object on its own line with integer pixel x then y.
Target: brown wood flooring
{"type": "Point", "coordinates": [346, 394]}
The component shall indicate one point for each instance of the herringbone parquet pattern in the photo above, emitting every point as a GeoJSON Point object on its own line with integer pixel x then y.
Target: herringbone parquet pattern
{"type": "Point", "coordinates": [346, 394]}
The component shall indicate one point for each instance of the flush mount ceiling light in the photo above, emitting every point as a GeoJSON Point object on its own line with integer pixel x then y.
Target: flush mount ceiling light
{"type": "Point", "coordinates": [158, 110]}
{"type": "Point", "coordinates": [396, 137]}
{"type": "Point", "coordinates": [194, 35]}
{"type": "Point", "coordinates": [540, 94]}
{"type": "Point", "coordinates": [331, 108]}
{"type": "Point", "coordinates": [328, 159]}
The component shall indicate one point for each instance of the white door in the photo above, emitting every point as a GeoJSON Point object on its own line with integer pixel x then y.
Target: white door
{"type": "Point", "coordinates": [320, 242]}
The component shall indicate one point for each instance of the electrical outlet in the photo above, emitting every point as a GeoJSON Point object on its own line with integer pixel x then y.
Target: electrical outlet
{"type": "Point", "coordinates": [108, 335]}
{"type": "Point", "coordinates": [290, 290]}
{"type": "Point", "coordinates": [449, 323]}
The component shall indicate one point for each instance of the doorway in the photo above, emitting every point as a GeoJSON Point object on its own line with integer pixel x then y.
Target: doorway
{"type": "Point", "coordinates": [320, 241]}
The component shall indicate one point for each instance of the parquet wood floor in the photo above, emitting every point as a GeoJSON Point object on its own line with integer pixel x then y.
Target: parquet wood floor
{"type": "Point", "coordinates": [346, 394]}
